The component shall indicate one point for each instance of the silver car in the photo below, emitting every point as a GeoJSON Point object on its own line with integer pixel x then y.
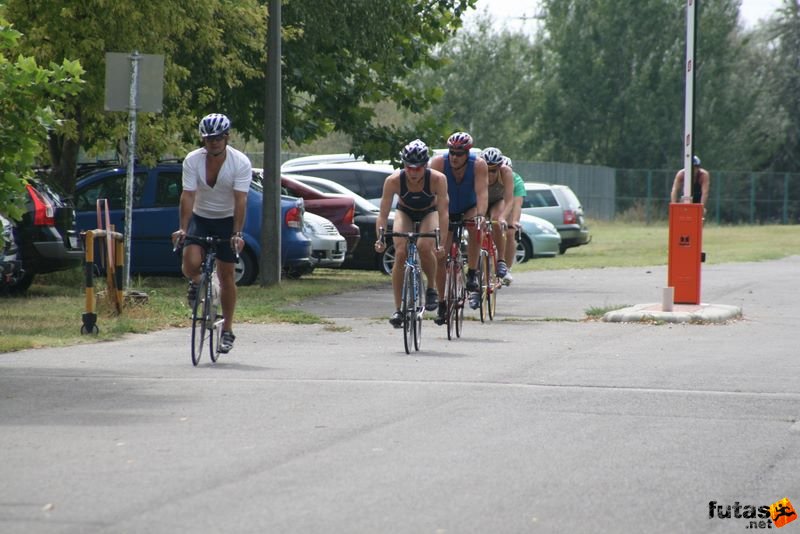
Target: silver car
{"type": "Point", "coordinates": [559, 205]}
{"type": "Point", "coordinates": [328, 247]}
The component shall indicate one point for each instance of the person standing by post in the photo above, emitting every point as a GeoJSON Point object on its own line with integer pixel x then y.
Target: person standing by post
{"type": "Point", "coordinates": [701, 183]}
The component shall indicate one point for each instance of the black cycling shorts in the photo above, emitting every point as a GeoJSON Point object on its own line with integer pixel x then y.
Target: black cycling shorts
{"type": "Point", "coordinates": [220, 228]}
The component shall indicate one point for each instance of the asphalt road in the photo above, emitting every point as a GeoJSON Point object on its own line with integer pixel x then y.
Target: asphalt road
{"type": "Point", "coordinates": [539, 422]}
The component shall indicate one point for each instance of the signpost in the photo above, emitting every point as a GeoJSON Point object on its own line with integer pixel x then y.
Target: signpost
{"type": "Point", "coordinates": [134, 82]}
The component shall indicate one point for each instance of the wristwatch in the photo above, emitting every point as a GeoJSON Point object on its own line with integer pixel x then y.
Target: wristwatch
{"type": "Point", "coordinates": [237, 234]}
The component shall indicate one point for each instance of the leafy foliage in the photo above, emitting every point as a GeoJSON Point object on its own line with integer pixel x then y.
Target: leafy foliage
{"type": "Point", "coordinates": [338, 59]}
{"type": "Point", "coordinates": [31, 97]}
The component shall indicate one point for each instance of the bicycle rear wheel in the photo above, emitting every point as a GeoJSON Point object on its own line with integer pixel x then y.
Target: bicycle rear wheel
{"type": "Point", "coordinates": [199, 322]}
{"type": "Point", "coordinates": [408, 309]}
{"type": "Point", "coordinates": [491, 285]}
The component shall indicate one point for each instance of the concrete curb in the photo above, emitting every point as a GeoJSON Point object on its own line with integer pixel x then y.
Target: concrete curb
{"type": "Point", "coordinates": [681, 313]}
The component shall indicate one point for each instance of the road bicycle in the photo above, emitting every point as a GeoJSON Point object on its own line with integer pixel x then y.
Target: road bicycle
{"type": "Point", "coordinates": [412, 304]}
{"type": "Point", "coordinates": [487, 273]}
{"type": "Point", "coordinates": [455, 282]}
{"type": "Point", "coordinates": [206, 317]}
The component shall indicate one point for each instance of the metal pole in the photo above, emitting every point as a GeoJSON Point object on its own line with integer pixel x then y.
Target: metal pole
{"type": "Point", "coordinates": [270, 261]}
{"type": "Point", "coordinates": [132, 107]}
{"type": "Point", "coordinates": [688, 129]}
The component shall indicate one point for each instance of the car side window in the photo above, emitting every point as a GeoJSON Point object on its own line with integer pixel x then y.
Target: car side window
{"type": "Point", "coordinates": [168, 189]}
{"type": "Point", "coordinates": [112, 189]}
{"type": "Point", "coordinates": [349, 179]}
{"type": "Point", "coordinates": [373, 183]}
{"type": "Point", "coordinates": [539, 198]}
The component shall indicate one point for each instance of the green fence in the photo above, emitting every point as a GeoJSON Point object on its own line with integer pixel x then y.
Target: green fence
{"type": "Point", "coordinates": [736, 196]}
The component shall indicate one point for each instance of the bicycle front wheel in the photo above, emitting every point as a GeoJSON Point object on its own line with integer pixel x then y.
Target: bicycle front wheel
{"type": "Point", "coordinates": [461, 298]}
{"type": "Point", "coordinates": [480, 274]}
{"type": "Point", "coordinates": [418, 309]}
{"type": "Point", "coordinates": [199, 320]}
{"type": "Point", "coordinates": [408, 309]}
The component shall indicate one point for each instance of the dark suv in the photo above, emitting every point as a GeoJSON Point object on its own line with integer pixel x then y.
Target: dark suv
{"type": "Point", "coordinates": [46, 237]}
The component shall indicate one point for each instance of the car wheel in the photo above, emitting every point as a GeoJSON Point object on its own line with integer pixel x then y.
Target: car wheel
{"type": "Point", "coordinates": [524, 250]}
{"type": "Point", "coordinates": [21, 285]}
{"type": "Point", "coordinates": [294, 273]}
{"type": "Point", "coordinates": [562, 249]}
{"type": "Point", "coordinates": [386, 260]}
{"type": "Point", "coordinates": [246, 269]}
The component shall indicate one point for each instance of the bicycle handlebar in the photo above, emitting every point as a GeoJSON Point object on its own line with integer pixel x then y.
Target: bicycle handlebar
{"type": "Point", "coordinates": [204, 239]}
{"type": "Point", "coordinates": [383, 234]}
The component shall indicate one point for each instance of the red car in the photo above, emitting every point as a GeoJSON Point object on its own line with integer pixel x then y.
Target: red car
{"type": "Point", "coordinates": [339, 209]}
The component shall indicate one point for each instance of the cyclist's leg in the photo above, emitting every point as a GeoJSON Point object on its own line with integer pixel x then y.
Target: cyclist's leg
{"type": "Point", "coordinates": [427, 259]}
{"type": "Point", "coordinates": [402, 223]}
{"type": "Point", "coordinates": [473, 250]}
{"type": "Point", "coordinates": [511, 245]}
{"type": "Point", "coordinates": [441, 271]}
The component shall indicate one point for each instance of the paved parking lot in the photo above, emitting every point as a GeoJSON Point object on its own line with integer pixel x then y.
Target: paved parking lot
{"type": "Point", "coordinates": [542, 421]}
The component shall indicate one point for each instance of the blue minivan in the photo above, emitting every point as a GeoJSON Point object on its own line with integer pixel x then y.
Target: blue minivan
{"type": "Point", "coordinates": [156, 194]}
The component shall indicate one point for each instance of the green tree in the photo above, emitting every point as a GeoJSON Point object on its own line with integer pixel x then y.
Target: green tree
{"type": "Point", "coordinates": [489, 85]}
{"type": "Point", "coordinates": [784, 82]}
{"type": "Point", "coordinates": [30, 99]}
{"type": "Point", "coordinates": [339, 58]}
{"type": "Point", "coordinates": [209, 48]}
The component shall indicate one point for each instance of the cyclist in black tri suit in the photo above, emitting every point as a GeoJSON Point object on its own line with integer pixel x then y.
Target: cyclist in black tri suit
{"type": "Point", "coordinates": [467, 178]}
{"type": "Point", "coordinates": [423, 198]}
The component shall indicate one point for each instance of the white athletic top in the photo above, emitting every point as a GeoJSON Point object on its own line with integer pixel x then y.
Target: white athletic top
{"type": "Point", "coordinates": [217, 202]}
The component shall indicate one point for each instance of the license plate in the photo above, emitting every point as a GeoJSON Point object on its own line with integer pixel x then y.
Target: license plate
{"type": "Point", "coordinates": [73, 241]}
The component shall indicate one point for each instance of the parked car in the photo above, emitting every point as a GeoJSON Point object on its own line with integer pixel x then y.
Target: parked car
{"type": "Point", "coordinates": [365, 179]}
{"type": "Point", "coordinates": [338, 209]}
{"type": "Point", "coordinates": [328, 247]}
{"type": "Point", "coordinates": [366, 213]}
{"type": "Point", "coordinates": [45, 236]}
{"type": "Point", "coordinates": [319, 158]}
{"type": "Point", "coordinates": [559, 205]}
{"type": "Point", "coordinates": [539, 239]}
{"type": "Point", "coordinates": [156, 194]}
{"type": "Point", "coordinates": [10, 266]}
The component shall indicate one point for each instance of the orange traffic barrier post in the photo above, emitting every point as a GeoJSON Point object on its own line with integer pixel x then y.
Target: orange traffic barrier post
{"type": "Point", "coordinates": [685, 251]}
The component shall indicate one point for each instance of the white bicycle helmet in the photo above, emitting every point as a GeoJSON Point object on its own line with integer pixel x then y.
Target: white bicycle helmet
{"type": "Point", "coordinates": [492, 156]}
{"type": "Point", "coordinates": [214, 124]}
{"type": "Point", "coordinates": [507, 162]}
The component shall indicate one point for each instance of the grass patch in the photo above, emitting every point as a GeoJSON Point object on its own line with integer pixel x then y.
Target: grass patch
{"type": "Point", "coordinates": [617, 244]}
{"type": "Point", "coordinates": [49, 315]}
{"type": "Point", "coordinates": [596, 312]}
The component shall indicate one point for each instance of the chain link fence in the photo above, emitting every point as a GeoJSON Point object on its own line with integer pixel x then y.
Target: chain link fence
{"type": "Point", "coordinates": [736, 197]}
